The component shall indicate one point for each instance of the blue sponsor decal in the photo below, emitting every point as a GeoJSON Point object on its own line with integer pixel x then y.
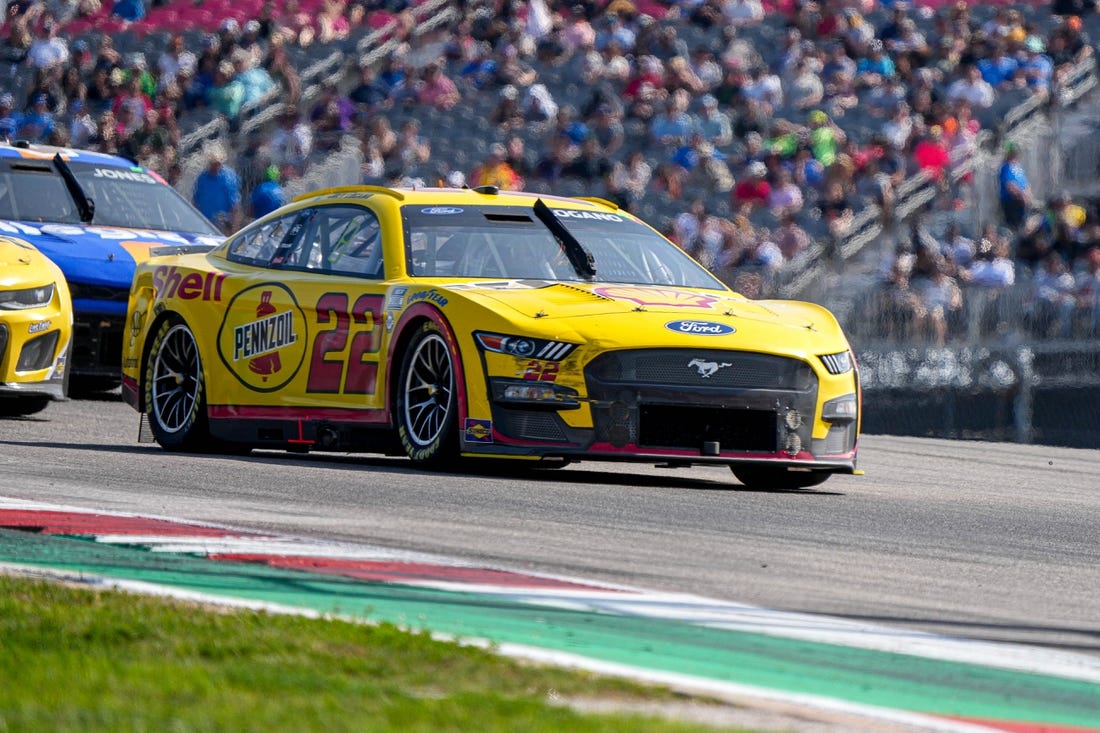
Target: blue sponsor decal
{"type": "Point", "coordinates": [441, 210]}
{"type": "Point", "coordinates": [700, 328]}
{"type": "Point", "coordinates": [478, 431]}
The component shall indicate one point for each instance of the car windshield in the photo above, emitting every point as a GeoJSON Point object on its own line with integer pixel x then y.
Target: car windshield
{"type": "Point", "coordinates": [124, 197]}
{"type": "Point", "coordinates": [513, 243]}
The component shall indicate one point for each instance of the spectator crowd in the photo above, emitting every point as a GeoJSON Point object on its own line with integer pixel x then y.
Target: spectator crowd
{"type": "Point", "coordinates": [745, 133]}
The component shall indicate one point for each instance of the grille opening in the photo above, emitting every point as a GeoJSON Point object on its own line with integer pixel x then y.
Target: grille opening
{"type": "Point", "coordinates": [38, 353]}
{"type": "Point", "coordinates": [675, 426]}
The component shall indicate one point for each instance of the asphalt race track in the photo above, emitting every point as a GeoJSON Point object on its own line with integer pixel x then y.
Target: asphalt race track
{"type": "Point", "coordinates": [983, 540]}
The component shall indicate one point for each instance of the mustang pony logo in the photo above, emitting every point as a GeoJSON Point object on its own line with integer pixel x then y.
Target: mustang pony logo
{"type": "Point", "coordinates": [707, 369]}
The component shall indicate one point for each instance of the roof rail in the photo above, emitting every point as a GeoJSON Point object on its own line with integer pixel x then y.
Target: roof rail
{"type": "Point", "coordinates": [351, 189]}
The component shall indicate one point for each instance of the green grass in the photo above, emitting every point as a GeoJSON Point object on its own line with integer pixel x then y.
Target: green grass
{"type": "Point", "coordinates": [73, 659]}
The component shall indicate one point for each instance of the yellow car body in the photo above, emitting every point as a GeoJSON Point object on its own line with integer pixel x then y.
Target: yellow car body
{"type": "Point", "coordinates": [36, 322]}
{"type": "Point", "coordinates": [446, 323]}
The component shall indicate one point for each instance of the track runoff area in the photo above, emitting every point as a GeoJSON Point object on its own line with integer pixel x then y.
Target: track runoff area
{"type": "Point", "coordinates": [697, 644]}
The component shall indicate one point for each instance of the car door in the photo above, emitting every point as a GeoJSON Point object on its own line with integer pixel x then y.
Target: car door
{"type": "Point", "coordinates": [334, 269]}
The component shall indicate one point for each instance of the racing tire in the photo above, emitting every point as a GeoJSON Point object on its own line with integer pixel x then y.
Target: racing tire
{"type": "Point", "coordinates": [175, 389]}
{"type": "Point", "coordinates": [22, 406]}
{"type": "Point", "coordinates": [780, 479]}
{"type": "Point", "coordinates": [426, 399]}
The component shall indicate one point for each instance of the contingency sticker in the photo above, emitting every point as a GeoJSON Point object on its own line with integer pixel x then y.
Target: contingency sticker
{"type": "Point", "coordinates": [479, 431]}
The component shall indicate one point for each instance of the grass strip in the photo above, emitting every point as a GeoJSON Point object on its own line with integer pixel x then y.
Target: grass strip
{"type": "Point", "coordinates": [75, 659]}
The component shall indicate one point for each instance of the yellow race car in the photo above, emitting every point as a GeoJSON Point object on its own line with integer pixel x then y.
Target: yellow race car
{"type": "Point", "coordinates": [449, 323]}
{"type": "Point", "coordinates": [36, 324]}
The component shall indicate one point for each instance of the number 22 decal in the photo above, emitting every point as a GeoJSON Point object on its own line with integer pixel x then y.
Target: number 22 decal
{"type": "Point", "coordinates": [541, 371]}
{"type": "Point", "coordinates": [326, 365]}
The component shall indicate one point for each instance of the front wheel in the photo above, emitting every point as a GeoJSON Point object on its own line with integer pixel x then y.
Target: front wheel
{"type": "Point", "coordinates": [175, 391]}
{"type": "Point", "coordinates": [757, 477]}
{"type": "Point", "coordinates": [427, 405]}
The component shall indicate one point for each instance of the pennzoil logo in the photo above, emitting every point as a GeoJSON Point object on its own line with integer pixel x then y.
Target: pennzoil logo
{"type": "Point", "coordinates": [262, 339]}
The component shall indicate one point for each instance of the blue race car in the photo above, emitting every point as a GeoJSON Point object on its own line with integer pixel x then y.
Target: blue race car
{"type": "Point", "coordinates": [96, 216]}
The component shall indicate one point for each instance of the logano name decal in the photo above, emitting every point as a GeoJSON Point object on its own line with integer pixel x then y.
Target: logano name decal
{"type": "Point", "coordinates": [171, 282]}
{"type": "Point", "coordinates": [594, 215]}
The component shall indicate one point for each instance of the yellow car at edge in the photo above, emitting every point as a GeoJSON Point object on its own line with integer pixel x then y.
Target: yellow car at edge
{"type": "Point", "coordinates": [36, 323]}
{"type": "Point", "coordinates": [445, 324]}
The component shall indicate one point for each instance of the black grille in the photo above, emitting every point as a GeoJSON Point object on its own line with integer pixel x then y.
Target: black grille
{"type": "Point", "coordinates": [84, 291]}
{"type": "Point", "coordinates": [38, 353]}
{"type": "Point", "coordinates": [675, 426]}
{"type": "Point", "coordinates": [702, 368]}
{"type": "Point", "coordinates": [529, 425]}
{"type": "Point", "coordinates": [97, 346]}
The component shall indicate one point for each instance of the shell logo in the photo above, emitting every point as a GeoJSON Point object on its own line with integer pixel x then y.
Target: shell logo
{"type": "Point", "coordinates": [665, 297]}
{"type": "Point", "coordinates": [263, 337]}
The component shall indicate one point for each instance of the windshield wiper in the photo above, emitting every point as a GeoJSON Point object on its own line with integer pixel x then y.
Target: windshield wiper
{"type": "Point", "coordinates": [581, 259]}
{"type": "Point", "coordinates": [84, 202]}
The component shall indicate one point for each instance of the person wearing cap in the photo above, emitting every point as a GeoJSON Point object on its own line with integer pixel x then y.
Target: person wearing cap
{"type": "Point", "coordinates": [875, 67]}
{"type": "Point", "coordinates": [10, 119]}
{"type": "Point", "coordinates": [130, 11]}
{"type": "Point", "coordinates": [1037, 67]}
{"type": "Point", "coordinates": [217, 191]}
{"type": "Point", "coordinates": [507, 114]}
{"type": "Point", "coordinates": [495, 171]}
{"type": "Point", "coordinates": [753, 190]}
{"type": "Point", "coordinates": [268, 195]}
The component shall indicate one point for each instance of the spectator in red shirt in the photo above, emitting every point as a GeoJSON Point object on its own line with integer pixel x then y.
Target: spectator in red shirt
{"type": "Point", "coordinates": [931, 153]}
{"type": "Point", "coordinates": [752, 192]}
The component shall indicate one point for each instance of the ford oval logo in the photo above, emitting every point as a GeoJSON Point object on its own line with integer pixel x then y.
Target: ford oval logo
{"type": "Point", "coordinates": [700, 328]}
{"type": "Point", "coordinates": [441, 210]}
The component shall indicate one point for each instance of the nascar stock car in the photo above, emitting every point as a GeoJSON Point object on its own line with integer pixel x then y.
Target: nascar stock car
{"type": "Point", "coordinates": [96, 216]}
{"type": "Point", "coordinates": [448, 323]}
{"type": "Point", "coordinates": [36, 320]}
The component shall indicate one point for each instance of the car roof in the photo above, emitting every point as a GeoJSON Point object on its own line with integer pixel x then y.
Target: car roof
{"type": "Point", "coordinates": [482, 195]}
{"type": "Point", "coordinates": [34, 151]}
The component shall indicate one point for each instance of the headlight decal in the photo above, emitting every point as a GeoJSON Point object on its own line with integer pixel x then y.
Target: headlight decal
{"type": "Point", "coordinates": [26, 298]}
{"type": "Point", "coordinates": [838, 363]}
{"type": "Point", "coordinates": [523, 346]}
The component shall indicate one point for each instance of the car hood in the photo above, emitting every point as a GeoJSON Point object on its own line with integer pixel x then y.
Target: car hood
{"type": "Point", "coordinates": [623, 315]}
{"type": "Point", "coordinates": [22, 266]}
{"type": "Point", "coordinates": [103, 255]}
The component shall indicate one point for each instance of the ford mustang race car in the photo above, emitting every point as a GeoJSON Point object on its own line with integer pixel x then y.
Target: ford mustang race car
{"type": "Point", "coordinates": [459, 323]}
{"type": "Point", "coordinates": [36, 320]}
{"type": "Point", "coordinates": [95, 215]}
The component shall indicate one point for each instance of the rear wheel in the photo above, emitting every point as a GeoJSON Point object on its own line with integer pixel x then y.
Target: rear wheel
{"type": "Point", "coordinates": [19, 406]}
{"type": "Point", "coordinates": [427, 404]}
{"type": "Point", "coordinates": [175, 391]}
{"type": "Point", "coordinates": [756, 477]}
